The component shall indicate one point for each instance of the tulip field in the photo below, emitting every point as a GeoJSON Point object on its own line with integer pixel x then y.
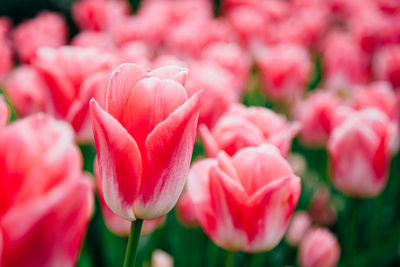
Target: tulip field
{"type": "Point", "coordinates": [212, 133]}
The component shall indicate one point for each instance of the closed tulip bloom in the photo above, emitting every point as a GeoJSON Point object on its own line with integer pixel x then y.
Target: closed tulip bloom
{"type": "Point", "coordinates": [161, 259]}
{"type": "Point", "coordinates": [319, 248]}
{"type": "Point", "coordinates": [46, 200]}
{"type": "Point", "coordinates": [316, 116]}
{"type": "Point", "coordinates": [144, 139]}
{"type": "Point", "coordinates": [184, 210]}
{"type": "Point", "coordinates": [115, 223]}
{"type": "Point", "coordinates": [300, 223]}
{"type": "Point", "coordinates": [386, 64]}
{"type": "Point", "coordinates": [241, 127]}
{"type": "Point", "coordinates": [360, 149]}
{"type": "Point", "coordinates": [244, 202]}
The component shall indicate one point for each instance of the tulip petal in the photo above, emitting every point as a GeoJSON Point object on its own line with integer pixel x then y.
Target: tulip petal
{"type": "Point", "coordinates": [171, 72]}
{"type": "Point", "coordinates": [120, 87]}
{"type": "Point", "coordinates": [210, 144]}
{"type": "Point", "coordinates": [119, 161]}
{"type": "Point", "coordinates": [273, 204]}
{"type": "Point", "coordinates": [169, 150]}
{"type": "Point", "coordinates": [56, 221]}
{"type": "Point", "coordinates": [3, 113]}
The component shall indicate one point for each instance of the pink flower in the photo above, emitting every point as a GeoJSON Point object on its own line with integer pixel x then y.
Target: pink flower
{"type": "Point", "coordinates": [244, 202]}
{"type": "Point", "coordinates": [300, 223]}
{"type": "Point", "coordinates": [42, 185]}
{"type": "Point", "coordinates": [101, 40]}
{"type": "Point", "coordinates": [386, 64]}
{"type": "Point", "coordinates": [4, 113]}
{"type": "Point", "coordinates": [6, 54]}
{"type": "Point", "coordinates": [360, 149]}
{"type": "Point", "coordinates": [116, 224]}
{"type": "Point", "coordinates": [73, 76]}
{"type": "Point", "coordinates": [144, 139]}
{"type": "Point", "coordinates": [218, 85]}
{"type": "Point", "coordinates": [99, 15]}
{"type": "Point", "coordinates": [184, 210]}
{"type": "Point", "coordinates": [241, 127]}
{"type": "Point", "coordinates": [26, 90]}
{"type": "Point", "coordinates": [343, 61]}
{"type": "Point", "coordinates": [161, 259]}
{"type": "Point", "coordinates": [322, 210]}
{"type": "Point", "coordinates": [288, 79]}
{"type": "Point", "coordinates": [315, 114]}
{"type": "Point", "coordinates": [46, 29]}
{"type": "Point", "coordinates": [319, 248]}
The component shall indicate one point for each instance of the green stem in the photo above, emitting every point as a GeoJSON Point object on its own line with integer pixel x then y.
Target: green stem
{"type": "Point", "coordinates": [133, 242]}
{"type": "Point", "coordinates": [230, 257]}
{"type": "Point", "coordinates": [247, 260]}
{"type": "Point", "coordinates": [352, 242]}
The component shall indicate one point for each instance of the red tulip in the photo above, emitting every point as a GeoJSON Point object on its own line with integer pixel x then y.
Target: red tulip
{"type": "Point", "coordinates": [144, 139]}
{"type": "Point", "coordinates": [244, 202]}
{"type": "Point", "coordinates": [300, 223]}
{"type": "Point", "coordinates": [386, 64]}
{"type": "Point", "coordinates": [46, 29]}
{"type": "Point", "coordinates": [46, 200]}
{"type": "Point", "coordinates": [73, 76]}
{"type": "Point", "coordinates": [319, 248]}
{"type": "Point", "coordinates": [316, 115]}
{"type": "Point", "coordinates": [241, 127]}
{"type": "Point", "coordinates": [116, 224]}
{"type": "Point", "coordinates": [360, 149]}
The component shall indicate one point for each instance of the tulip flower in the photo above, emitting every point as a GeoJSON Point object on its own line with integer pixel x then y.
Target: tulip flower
{"type": "Point", "coordinates": [115, 223]}
{"type": "Point", "coordinates": [241, 127]}
{"type": "Point", "coordinates": [300, 223]}
{"type": "Point", "coordinates": [315, 114]}
{"type": "Point", "coordinates": [144, 139]}
{"type": "Point", "coordinates": [360, 149]}
{"type": "Point", "coordinates": [3, 113]}
{"type": "Point", "coordinates": [322, 211]}
{"type": "Point", "coordinates": [161, 259]}
{"type": "Point", "coordinates": [184, 210]}
{"type": "Point", "coordinates": [46, 200]}
{"type": "Point", "coordinates": [6, 54]}
{"type": "Point", "coordinates": [319, 248]}
{"type": "Point", "coordinates": [386, 64]}
{"type": "Point", "coordinates": [46, 29]}
{"type": "Point", "coordinates": [244, 202]}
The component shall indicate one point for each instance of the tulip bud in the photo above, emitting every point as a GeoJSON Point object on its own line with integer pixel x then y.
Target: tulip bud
{"type": "Point", "coordinates": [298, 226]}
{"type": "Point", "coordinates": [319, 248]}
{"type": "Point", "coordinates": [161, 259]}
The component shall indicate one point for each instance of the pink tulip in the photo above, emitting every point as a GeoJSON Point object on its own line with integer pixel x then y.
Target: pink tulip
{"type": "Point", "coordinates": [161, 259]}
{"type": "Point", "coordinates": [184, 210]}
{"type": "Point", "coordinates": [42, 185]}
{"type": "Point", "coordinates": [300, 223]}
{"type": "Point", "coordinates": [46, 29]}
{"type": "Point", "coordinates": [26, 90]}
{"type": "Point", "coordinates": [360, 149]}
{"type": "Point", "coordinates": [315, 114]}
{"type": "Point", "coordinates": [321, 209]}
{"type": "Point", "coordinates": [101, 40]}
{"type": "Point", "coordinates": [240, 127]}
{"type": "Point", "coordinates": [386, 64]}
{"type": "Point", "coordinates": [4, 113]}
{"type": "Point", "coordinates": [116, 224]}
{"type": "Point", "coordinates": [98, 15]}
{"type": "Point", "coordinates": [6, 54]}
{"type": "Point", "coordinates": [288, 79]}
{"type": "Point", "coordinates": [319, 248]}
{"type": "Point", "coordinates": [343, 61]}
{"type": "Point", "coordinates": [244, 202]}
{"type": "Point", "coordinates": [144, 139]}
{"type": "Point", "coordinates": [218, 85]}
{"type": "Point", "coordinates": [73, 76]}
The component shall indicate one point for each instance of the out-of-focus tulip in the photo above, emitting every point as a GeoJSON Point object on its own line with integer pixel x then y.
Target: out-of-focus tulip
{"type": "Point", "coordinates": [161, 259]}
{"type": "Point", "coordinates": [386, 64]}
{"type": "Point", "coordinates": [343, 62]}
{"type": "Point", "coordinates": [3, 113]}
{"type": "Point", "coordinates": [184, 210]}
{"type": "Point", "coordinates": [6, 55]}
{"type": "Point", "coordinates": [378, 95]}
{"type": "Point", "coordinates": [244, 202]}
{"type": "Point", "coordinates": [116, 224]}
{"type": "Point", "coordinates": [360, 149]}
{"type": "Point", "coordinates": [73, 76]}
{"type": "Point", "coordinates": [136, 52]}
{"type": "Point", "coordinates": [144, 139]}
{"type": "Point", "coordinates": [46, 29]}
{"type": "Point", "coordinates": [288, 79]}
{"type": "Point", "coordinates": [218, 85]}
{"type": "Point", "coordinates": [99, 15]}
{"type": "Point", "coordinates": [298, 163]}
{"type": "Point", "coordinates": [315, 114]}
{"type": "Point", "coordinates": [26, 90]}
{"type": "Point", "coordinates": [241, 127]}
{"type": "Point", "coordinates": [42, 185]}
{"type": "Point", "coordinates": [319, 248]}
{"type": "Point", "coordinates": [321, 209]}
{"type": "Point", "coordinates": [300, 223]}
{"type": "Point", "coordinates": [232, 58]}
{"type": "Point", "coordinates": [100, 40]}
